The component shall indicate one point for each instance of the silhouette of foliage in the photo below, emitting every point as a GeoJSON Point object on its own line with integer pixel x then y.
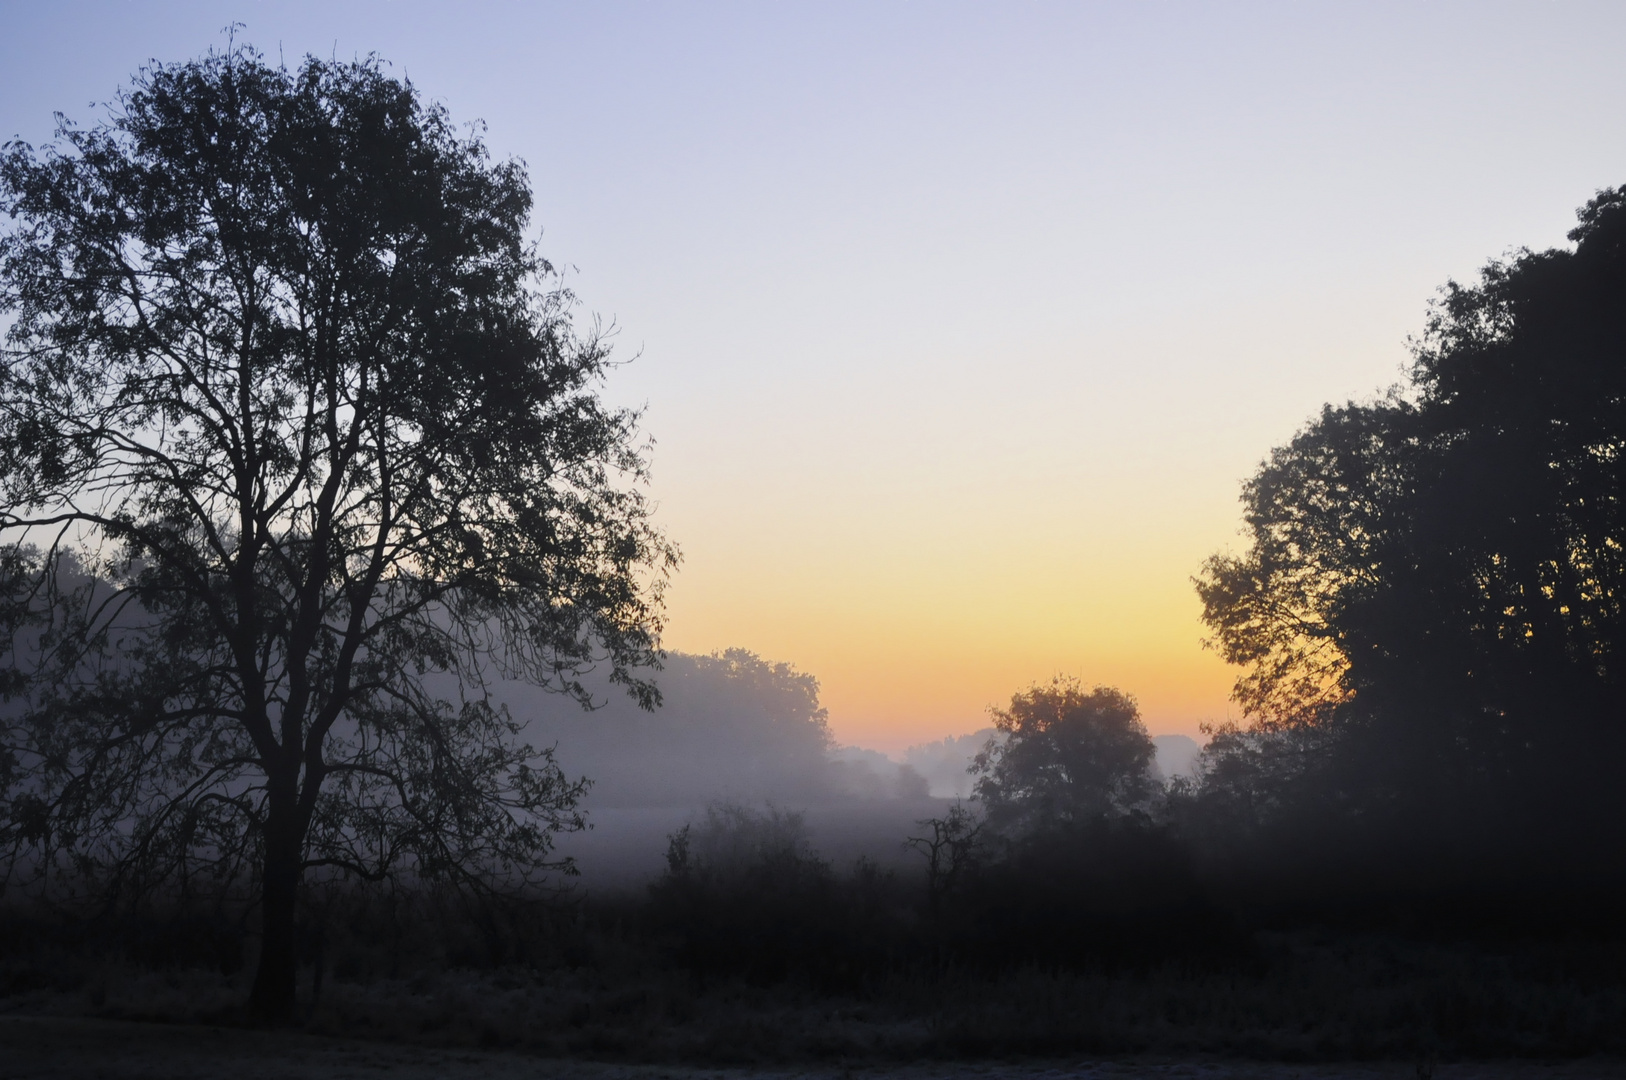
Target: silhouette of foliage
{"type": "Point", "coordinates": [301, 423]}
{"type": "Point", "coordinates": [744, 892]}
{"type": "Point", "coordinates": [951, 850]}
{"type": "Point", "coordinates": [1115, 890]}
{"type": "Point", "coordinates": [1432, 593]}
{"type": "Point", "coordinates": [1069, 755]}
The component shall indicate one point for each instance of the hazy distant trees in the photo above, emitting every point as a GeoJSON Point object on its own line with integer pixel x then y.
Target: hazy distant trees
{"type": "Point", "coordinates": [1429, 614]}
{"type": "Point", "coordinates": [731, 725]}
{"type": "Point", "coordinates": [1069, 755]}
{"type": "Point", "coordinates": [945, 763]}
{"type": "Point", "coordinates": [290, 392]}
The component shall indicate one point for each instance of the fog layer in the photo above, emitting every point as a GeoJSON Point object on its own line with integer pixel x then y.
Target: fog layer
{"type": "Point", "coordinates": [733, 728]}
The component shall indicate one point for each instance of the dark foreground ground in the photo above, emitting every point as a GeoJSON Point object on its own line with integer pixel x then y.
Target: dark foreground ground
{"type": "Point", "coordinates": [1311, 1004]}
{"type": "Point", "coordinates": [74, 1048]}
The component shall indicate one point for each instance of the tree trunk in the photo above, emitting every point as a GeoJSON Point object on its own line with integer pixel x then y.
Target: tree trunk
{"type": "Point", "coordinates": [272, 999]}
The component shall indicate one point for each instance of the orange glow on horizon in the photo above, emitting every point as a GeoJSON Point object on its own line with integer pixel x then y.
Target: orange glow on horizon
{"type": "Point", "coordinates": [911, 645]}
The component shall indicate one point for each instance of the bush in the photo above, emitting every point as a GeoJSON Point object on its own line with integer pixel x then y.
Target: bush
{"type": "Point", "coordinates": [1111, 892]}
{"type": "Point", "coordinates": [744, 894]}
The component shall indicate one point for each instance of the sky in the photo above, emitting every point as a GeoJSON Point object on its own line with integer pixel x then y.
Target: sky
{"type": "Point", "coordinates": [958, 326]}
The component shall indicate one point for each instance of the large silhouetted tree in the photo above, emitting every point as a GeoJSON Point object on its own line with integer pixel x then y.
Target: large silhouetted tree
{"type": "Point", "coordinates": [1432, 595]}
{"type": "Point", "coordinates": [297, 444]}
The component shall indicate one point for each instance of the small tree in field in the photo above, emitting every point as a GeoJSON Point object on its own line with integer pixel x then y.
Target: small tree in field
{"type": "Point", "coordinates": [1070, 756]}
{"type": "Point", "coordinates": [297, 447]}
{"type": "Point", "coordinates": [951, 850]}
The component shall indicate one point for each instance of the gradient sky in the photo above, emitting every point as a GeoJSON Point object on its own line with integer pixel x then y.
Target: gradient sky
{"type": "Point", "coordinates": [958, 325]}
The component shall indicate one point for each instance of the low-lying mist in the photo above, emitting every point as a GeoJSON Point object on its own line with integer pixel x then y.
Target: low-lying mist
{"type": "Point", "coordinates": [734, 729]}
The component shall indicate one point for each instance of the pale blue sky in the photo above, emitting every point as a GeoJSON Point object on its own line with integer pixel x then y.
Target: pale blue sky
{"type": "Point", "coordinates": [960, 323]}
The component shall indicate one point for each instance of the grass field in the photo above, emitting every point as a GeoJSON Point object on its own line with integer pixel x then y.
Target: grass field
{"type": "Point", "coordinates": [77, 1048]}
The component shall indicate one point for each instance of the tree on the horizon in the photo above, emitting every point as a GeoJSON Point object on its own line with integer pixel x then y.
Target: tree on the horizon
{"type": "Point", "coordinates": [297, 446]}
{"type": "Point", "coordinates": [1068, 756]}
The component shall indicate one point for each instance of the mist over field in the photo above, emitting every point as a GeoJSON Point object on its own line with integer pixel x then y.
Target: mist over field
{"type": "Point", "coordinates": [734, 728]}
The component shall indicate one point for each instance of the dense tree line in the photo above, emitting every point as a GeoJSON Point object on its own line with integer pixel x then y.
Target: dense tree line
{"type": "Point", "coordinates": [1429, 612]}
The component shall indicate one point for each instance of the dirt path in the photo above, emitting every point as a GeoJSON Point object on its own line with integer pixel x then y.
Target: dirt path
{"type": "Point", "coordinates": [79, 1049]}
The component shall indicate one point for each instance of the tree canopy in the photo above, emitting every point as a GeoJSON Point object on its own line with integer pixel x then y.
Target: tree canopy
{"type": "Point", "coordinates": [1069, 756]}
{"type": "Point", "coordinates": [1430, 604]}
{"type": "Point", "coordinates": [298, 442]}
